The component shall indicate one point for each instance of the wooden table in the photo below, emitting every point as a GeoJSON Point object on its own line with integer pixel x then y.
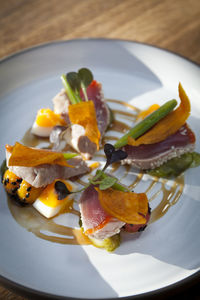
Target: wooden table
{"type": "Point", "coordinates": [170, 24]}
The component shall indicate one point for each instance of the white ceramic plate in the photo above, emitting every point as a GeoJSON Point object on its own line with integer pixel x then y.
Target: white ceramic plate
{"type": "Point", "coordinates": [167, 252]}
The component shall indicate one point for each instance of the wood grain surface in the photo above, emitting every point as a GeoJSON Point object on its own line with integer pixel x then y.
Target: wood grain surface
{"type": "Point", "coordinates": [170, 24]}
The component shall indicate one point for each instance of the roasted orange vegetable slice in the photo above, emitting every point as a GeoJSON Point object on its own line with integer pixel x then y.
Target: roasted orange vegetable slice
{"type": "Point", "coordinates": [128, 207]}
{"type": "Point", "coordinates": [168, 125]}
{"type": "Point", "coordinates": [30, 157]}
{"type": "Point", "coordinates": [84, 114]}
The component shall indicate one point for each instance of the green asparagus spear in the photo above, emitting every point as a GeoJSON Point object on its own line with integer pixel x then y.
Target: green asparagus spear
{"type": "Point", "coordinates": [147, 123]}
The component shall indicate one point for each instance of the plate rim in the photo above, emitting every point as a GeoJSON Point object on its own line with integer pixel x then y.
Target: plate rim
{"type": "Point", "coordinates": [171, 289]}
{"type": "Point", "coordinates": [103, 39]}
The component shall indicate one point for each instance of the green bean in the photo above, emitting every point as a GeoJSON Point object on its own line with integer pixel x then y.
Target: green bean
{"type": "Point", "coordinates": [147, 123]}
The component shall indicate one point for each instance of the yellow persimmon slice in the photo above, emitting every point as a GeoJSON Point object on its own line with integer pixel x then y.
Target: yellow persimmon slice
{"type": "Point", "coordinates": [128, 207]}
{"type": "Point", "coordinates": [47, 118]}
{"type": "Point", "coordinates": [144, 113]}
{"type": "Point", "coordinates": [168, 125]}
{"type": "Point", "coordinates": [84, 114]}
{"type": "Point", "coordinates": [30, 157]}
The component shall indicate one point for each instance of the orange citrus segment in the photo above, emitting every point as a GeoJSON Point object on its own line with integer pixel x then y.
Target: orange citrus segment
{"type": "Point", "coordinates": [30, 157]}
{"type": "Point", "coordinates": [126, 206]}
{"type": "Point", "coordinates": [84, 114]}
{"type": "Point", "coordinates": [47, 118]}
{"type": "Point", "coordinates": [168, 125]}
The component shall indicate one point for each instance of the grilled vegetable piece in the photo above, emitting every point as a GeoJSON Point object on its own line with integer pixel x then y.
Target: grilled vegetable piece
{"type": "Point", "coordinates": [109, 244]}
{"type": "Point", "coordinates": [177, 165]}
{"type": "Point", "coordinates": [127, 207]}
{"type": "Point", "coordinates": [137, 227]}
{"type": "Point", "coordinates": [22, 190]}
{"type": "Point", "coordinates": [27, 193]}
{"type": "Point", "coordinates": [11, 182]}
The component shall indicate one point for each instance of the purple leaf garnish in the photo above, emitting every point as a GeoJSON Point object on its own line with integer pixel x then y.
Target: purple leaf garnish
{"type": "Point", "coordinates": [113, 155]}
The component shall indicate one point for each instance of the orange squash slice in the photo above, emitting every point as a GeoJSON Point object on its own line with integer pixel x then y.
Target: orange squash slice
{"type": "Point", "coordinates": [84, 114]}
{"type": "Point", "coordinates": [168, 125]}
{"type": "Point", "coordinates": [30, 157]}
{"type": "Point", "coordinates": [126, 206]}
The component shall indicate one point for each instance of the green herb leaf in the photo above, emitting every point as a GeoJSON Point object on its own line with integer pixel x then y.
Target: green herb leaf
{"type": "Point", "coordinates": [147, 123]}
{"type": "Point", "coordinates": [86, 78]}
{"type": "Point", "coordinates": [107, 182]}
{"type": "Point", "coordinates": [174, 167]}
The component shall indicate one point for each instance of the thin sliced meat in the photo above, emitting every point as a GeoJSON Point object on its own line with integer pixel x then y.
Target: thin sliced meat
{"type": "Point", "coordinates": [154, 155]}
{"type": "Point", "coordinates": [45, 174]}
{"type": "Point", "coordinates": [96, 222]}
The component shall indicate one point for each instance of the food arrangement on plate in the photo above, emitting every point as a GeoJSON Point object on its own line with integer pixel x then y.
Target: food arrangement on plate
{"type": "Point", "coordinates": [160, 144]}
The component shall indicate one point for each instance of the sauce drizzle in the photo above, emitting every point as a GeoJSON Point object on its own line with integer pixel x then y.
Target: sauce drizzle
{"type": "Point", "coordinates": [30, 219]}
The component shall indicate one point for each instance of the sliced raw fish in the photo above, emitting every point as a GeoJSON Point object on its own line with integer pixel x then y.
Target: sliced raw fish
{"type": "Point", "coordinates": [95, 221]}
{"type": "Point", "coordinates": [154, 155]}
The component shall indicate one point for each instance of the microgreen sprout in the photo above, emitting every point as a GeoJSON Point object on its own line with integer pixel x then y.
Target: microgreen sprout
{"type": "Point", "coordinates": [86, 77]}
{"type": "Point", "coordinates": [105, 181]}
{"type": "Point", "coordinates": [74, 82]}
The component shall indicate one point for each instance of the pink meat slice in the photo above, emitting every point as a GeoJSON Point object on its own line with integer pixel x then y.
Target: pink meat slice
{"type": "Point", "coordinates": [154, 155]}
{"type": "Point", "coordinates": [95, 93]}
{"type": "Point", "coordinates": [93, 215]}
